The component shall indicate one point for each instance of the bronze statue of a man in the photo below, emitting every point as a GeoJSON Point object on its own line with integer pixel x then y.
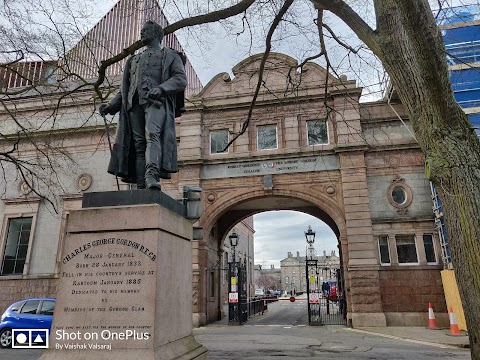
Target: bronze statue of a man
{"type": "Point", "coordinates": [151, 96]}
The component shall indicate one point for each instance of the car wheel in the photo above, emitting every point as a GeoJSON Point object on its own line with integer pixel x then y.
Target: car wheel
{"type": "Point", "coordinates": [6, 338]}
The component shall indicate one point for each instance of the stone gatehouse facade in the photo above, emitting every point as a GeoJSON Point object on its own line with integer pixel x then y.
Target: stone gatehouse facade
{"type": "Point", "coordinates": [310, 146]}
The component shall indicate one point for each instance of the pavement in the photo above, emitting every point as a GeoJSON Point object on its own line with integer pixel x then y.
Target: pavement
{"type": "Point", "coordinates": [331, 342]}
{"type": "Point", "coordinates": [419, 334]}
{"type": "Point", "coordinates": [413, 334]}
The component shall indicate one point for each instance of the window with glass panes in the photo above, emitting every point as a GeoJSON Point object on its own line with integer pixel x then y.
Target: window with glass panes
{"type": "Point", "coordinates": [406, 249]}
{"type": "Point", "coordinates": [16, 246]}
{"type": "Point", "coordinates": [317, 132]}
{"type": "Point", "coordinates": [266, 137]}
{"type": "Point", "coordinates": [218, 141]}
{"type": "Point", "coordinates": [429, 248]}
{"type": "Point", "coordinates": [30, 307]}
{"type": "Point", "coordinates": [384, 249]}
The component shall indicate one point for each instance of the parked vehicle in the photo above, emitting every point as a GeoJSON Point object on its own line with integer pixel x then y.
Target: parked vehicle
{"type": "Point", "coordinates": [332, 294]}
{"type": "Point", "coordinates": [259, 292]}
{"type": "Point", "coordinates": [32, 314]}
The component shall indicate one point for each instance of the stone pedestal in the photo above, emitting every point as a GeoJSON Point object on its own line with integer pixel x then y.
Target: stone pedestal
{"type": "Point", "coordinates": [125, 287]}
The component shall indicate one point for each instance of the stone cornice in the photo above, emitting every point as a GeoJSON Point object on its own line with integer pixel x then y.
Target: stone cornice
{"type": "Point", "coordinates": [403, 219]}
{"type": "Point", "coordinates": [345, 91]}
{"type": "Point", "coordinates": [233, 103]}
{"type": "Point", "coordinates": [393, 147]}
{"type": "Point", "coordinates": [351, 148]}
{"type": "Point", "coordinates": [22, 200]}
{"type": "Point", "coordinates": [70, 197]}
{"type": "Point", "coordinates": [66, 131]}
{"type": "Point", "coordinates": [50, 101]}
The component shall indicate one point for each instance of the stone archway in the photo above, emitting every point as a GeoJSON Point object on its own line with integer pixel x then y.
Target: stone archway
{"type": "Point", "coordinates": [343, 178]}
{"type": "Point", "coordinates": [222, 213]}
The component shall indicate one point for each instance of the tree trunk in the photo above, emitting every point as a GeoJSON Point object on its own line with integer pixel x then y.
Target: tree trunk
{"type": "Point", "coordinates": [412, 51]}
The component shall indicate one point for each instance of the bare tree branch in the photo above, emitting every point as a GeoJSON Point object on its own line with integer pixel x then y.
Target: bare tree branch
{"type": "Point", "coordinates": [352, 19]}
{"type": "Point", "coordinates": [336, 38]}
{"type": "Point", "coordinates": [268, 47]}
{"type": "Point", "coordinates": [195, 20]}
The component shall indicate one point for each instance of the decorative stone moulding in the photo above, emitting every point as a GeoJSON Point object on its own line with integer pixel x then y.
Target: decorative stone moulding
{"type": "Point", "coordinates": [330, 190]}
{"type": "Point", "coordinates": [84, 181]}
{"type": "Point", "coordinates": [399, 194]}
{"type": "Point", "coordinates": [211, 197]}
{"type": "Point", "coordinates": [25, 187]}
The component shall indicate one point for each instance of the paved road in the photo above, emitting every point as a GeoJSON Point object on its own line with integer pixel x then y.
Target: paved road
{"type": "Point", "coordinates": [303, 342]}
{"type": "Point", "coordinates": [283, 313]}
{"type": "Point", "coordinates": [20, 354]}
{"type": "Point", "coordinates": [283, 334]}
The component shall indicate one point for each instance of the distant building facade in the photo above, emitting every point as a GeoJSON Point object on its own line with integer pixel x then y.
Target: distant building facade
{"type": "Point", "coordinates": [244, 254]}
{"type": "Point", "coordinates": [268, 278]}
{"type": "Point", "coordinates": [294, 275]}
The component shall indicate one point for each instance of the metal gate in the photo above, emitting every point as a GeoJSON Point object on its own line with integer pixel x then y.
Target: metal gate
{"type": "Point", "coordinates": [237, 303]}
{"type": "Point", "coordinates": [326, 302]}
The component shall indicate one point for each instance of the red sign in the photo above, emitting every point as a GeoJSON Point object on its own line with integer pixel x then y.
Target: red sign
{"type": "Point", "coordinates": [292, 298]}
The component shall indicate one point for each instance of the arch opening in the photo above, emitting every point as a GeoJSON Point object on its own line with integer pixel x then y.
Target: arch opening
{"type": "Point", "coordinates": [238, 216]}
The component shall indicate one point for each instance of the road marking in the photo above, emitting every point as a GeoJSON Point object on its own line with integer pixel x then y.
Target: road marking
{"type": "Point", "coordinates": [443, 346]}
{"type": "Point", "coordinates": [276, 325]}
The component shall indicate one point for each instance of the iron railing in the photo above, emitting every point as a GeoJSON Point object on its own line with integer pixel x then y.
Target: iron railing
{"type": "Point", "coordinates": [260, 305]}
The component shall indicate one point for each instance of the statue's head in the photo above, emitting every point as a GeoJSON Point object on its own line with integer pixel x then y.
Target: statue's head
{"type": "Point", "coordinates": [150, 31]}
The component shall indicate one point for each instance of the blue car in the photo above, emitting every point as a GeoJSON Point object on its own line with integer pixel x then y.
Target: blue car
{"type": "Point", "coordinates": [36, 313]}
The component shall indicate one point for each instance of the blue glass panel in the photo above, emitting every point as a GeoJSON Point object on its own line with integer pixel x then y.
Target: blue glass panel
{"type": "Point", "coordinates": [460, 34]}
{"type": "Point", "coordinates": [475, 120]}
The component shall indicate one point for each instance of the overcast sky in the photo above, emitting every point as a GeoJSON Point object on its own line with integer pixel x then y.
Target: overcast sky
{"type": "Point", "coordinates": [278, 232]}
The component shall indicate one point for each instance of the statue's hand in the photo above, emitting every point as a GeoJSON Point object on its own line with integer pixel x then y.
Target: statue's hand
{"type": "Point", "coordinates": [104, 109]}
{"type": "Point", "coordinates": [156, 94]}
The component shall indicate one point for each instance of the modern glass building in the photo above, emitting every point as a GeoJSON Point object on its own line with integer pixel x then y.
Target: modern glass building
{"type": "Point", "coordinates": [461, 33]}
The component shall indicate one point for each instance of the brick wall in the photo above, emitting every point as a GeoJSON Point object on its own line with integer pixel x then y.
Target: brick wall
{"type": "Point", "coordinates": [19, 289]}
{"type": "Point", "coordinates": [406, 290]}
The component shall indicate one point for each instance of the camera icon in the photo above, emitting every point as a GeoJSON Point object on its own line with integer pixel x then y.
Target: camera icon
{"type": "Point", "coordinates": [30, 338]}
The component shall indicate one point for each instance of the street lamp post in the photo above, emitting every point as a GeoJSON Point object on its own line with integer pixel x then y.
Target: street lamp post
{"type": "Point", "coordinates": [311, 271]}
{"type": "Point", "coordinates": [233, 243]}
{"type": "Point", "coordinates": [234, 286]}
{"type": "Point", "coordinates": [310, 236]}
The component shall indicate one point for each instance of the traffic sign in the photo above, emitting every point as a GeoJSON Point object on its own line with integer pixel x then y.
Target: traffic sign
{"type": "Point", "coordinates": [233, 297]}
{"type": "Point", "coordinates": [292, 298]}
{"type": "Point", "coordinates": [313, 298]}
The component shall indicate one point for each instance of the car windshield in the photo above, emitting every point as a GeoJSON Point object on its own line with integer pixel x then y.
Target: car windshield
{"type": "Point", "coordinates": [15, 307]}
